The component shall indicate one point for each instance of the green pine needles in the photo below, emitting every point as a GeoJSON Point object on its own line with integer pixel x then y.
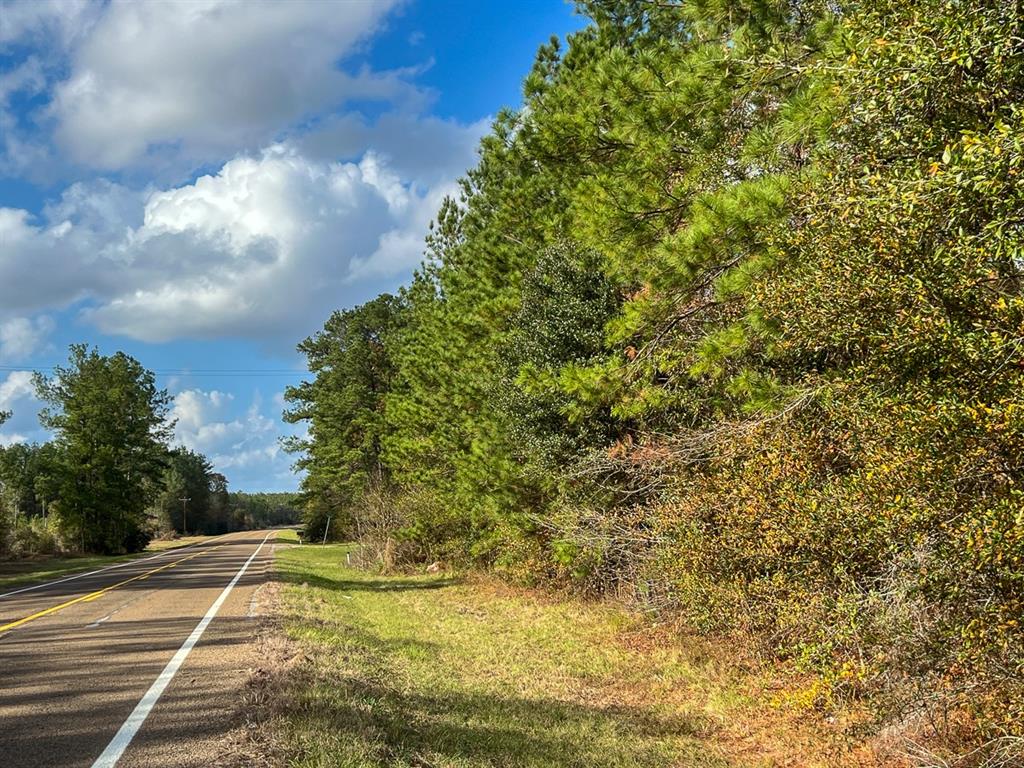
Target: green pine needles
{"type": "Point", "coordinates": [729, 321]}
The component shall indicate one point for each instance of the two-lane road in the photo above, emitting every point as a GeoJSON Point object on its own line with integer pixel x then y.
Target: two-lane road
{"type": "Point", "coordinates": [138, 665]}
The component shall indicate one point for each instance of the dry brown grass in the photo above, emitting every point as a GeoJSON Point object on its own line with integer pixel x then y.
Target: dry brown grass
{"type": "Point", "coordinates": [427, 670]}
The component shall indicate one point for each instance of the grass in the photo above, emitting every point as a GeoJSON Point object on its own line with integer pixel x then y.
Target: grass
{"type": "Point", "coordinates": [287, 536]}
{"type": "Point", "coordinates": [28, 570]}
{"type": "Point", "coordinates": [431, 671]}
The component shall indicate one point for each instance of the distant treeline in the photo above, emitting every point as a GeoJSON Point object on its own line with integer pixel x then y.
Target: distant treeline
{"type": "Point", "coordinates": [109, 481]}
{"type": "Point", "coordinates": [265, 510]}
{"type": "Point", "coordinates": [727, 321]}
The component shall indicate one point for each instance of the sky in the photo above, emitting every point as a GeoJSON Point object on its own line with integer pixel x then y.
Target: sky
{"type": "Point", "coordinates": [200, 183]}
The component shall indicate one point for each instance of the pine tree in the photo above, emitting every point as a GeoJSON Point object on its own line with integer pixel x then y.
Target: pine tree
{"type": "Point", "coordinates": [110, 426]}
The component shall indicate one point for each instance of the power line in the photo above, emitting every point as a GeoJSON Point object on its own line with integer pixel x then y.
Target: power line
{"type": "Point", "coordinates": [226, 372]}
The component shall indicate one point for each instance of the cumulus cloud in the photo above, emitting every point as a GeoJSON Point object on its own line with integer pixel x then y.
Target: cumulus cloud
{"type": "Point", "coordinates": [244, 446]}
{"type": "Point", "coordinates": [306, 206]}
{"type": "Point", "coordinates": [51, 22]}
{"type": "Point", "coordinates": [27, 77]}
{"type": "Point", "coordinates": [16, 387]}
{"type": "Point", "coordinates": [207, 76]}
{"type": "Point", "coordinates": [317, 208]}
{"type": "Point", "coordinates": [191, 82]}
{"type": "Point", "coordinates": [54, 263]}
{"type": "Point", "coordinates": [195, 412]}
{"type": "Point", "coordinates": [17, 395]}
{"type": "Point", "coordinates": [427, 149]}
{"type": "Point", "coordinates": [48, 29]}
{"type": "Point", "coordinates": [21, 337]}
{"type": "Point", "coordinates": [265, 248]}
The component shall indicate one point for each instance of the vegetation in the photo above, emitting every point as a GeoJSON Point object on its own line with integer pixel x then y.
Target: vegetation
{"type": "Point", "coordinates": [727, 321]}
{"type": "Point", "coordinates": [105, 468]}
{"type": "Point", "coordinates": [429, 670]}
{"type": "Point", "coordinates": [344, 409]}
{"type": "Point", "coordinates": [189, 475]}
{"type": "Point", "coordinates": [263, 510]}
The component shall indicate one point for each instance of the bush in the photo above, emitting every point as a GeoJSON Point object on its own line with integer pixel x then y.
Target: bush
{"type": "Point", "coordinates": [35, 536]}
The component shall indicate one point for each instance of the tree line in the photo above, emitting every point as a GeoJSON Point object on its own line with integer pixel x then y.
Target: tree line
{"type": "Point", "coordinates": [727, 321]}
{"type": "Point", "coordinates": [109, 480]}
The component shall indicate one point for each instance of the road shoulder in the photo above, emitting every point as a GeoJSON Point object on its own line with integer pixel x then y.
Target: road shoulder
{"type": "Point", "coordinates": [363, 670]}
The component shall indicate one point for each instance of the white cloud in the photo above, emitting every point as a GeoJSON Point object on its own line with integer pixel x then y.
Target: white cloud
{"type": "Point", "coordinates": [243, 446]}
{"type": "Point", "coordinates": [21, 337]}
{"type": "Point", "coordinates": [191, 82]}
{"type": "Point", "coordinates": [49, 29]}
{"type": "Point", "coordinates": [17, 395]}
{"type": "Point", "coordinates": [205, 77]}
{"type": "Point", "coordinates": [56, 263]}
{"type": "Point", "coordinates": [194, 412]}
{"type": "Point", "coordinates": [426, 149]}
{"type": "Point", "coordinates": [246, 459]}
{"type": "Point", "coordinates": [265, 248]}
{"type": "Point", "coordinates": [309, 206]}
{"type": "Point", "coordinates": [331, 211]}
{"type": "Point", "coordinates": [27, 77]}
{"type": "Point", "coordinates": [52, 22]}
{"type": "Point", "coordinates": [16, 387]}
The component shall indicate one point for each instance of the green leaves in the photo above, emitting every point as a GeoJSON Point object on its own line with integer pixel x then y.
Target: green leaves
{"type": "Point", "coordinates": [189, 475]}
{"type": "Point", "coordinates": [344, 408]}
{"type": "Point", "coordinates": [111, 429]}
{"type": "Point", "coordinates": [730, 314]}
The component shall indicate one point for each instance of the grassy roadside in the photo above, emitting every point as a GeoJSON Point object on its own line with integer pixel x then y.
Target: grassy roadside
{"type": "Point", "coordinates": [16, 572]}
{"type": "Point", "coordinates": [432, 671]}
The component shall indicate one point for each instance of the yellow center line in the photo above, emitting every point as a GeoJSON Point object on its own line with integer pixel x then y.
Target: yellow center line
{"type": "Point", "coordinates": [100, 592]}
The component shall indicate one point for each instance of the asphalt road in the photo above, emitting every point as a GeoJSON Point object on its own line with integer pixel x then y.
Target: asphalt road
{"type": "Point", "coordinates": [78, 656]}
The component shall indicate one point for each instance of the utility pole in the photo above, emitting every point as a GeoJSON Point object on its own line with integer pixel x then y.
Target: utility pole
{"type": "Point", "coordinates": [184, 500]}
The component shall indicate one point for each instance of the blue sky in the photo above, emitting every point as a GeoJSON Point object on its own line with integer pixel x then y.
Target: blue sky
{"type": "Point", "coordinates": [201, 182]}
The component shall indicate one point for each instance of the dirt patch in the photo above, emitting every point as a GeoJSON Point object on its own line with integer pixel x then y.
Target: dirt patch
{"type": "Point", "coordinates": [251, 742]}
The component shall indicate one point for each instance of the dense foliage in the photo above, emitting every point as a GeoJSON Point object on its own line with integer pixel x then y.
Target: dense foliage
{"type": "Point", "coordinates": [728, 320]}
{"type": "Point", "coordinates": [110, 430]}
{"type": "Point", "coordinates": [344, 409]}
{"type": "Point", "coordinates": [263, 510]}
{"type": "Point", "coordinates": [194, 498]}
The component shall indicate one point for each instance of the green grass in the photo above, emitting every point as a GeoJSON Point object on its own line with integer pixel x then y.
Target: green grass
{"type": "Point", "coordinates": [433, 671]}
{"type": "Point", "coordinates": [16, 572]}
{"type": "Point", "coordinates": [287, 536]}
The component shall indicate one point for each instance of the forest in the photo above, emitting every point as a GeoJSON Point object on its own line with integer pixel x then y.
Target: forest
{"type": "Point", "coordinates": [726, 323]}
{"type": "Point", "coordinates": [110, 485]}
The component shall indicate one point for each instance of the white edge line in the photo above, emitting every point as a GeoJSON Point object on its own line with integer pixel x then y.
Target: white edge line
{"type": "Point", "coordinates": [170, 551]}
{"type": "Point", "coordinates": [131, 726]}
